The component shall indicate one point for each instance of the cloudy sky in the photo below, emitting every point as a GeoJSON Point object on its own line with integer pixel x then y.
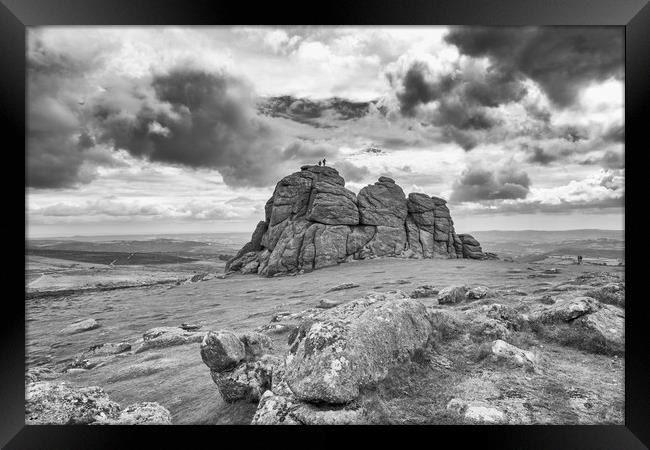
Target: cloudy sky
{"type": "Point", "coordinates": [171, 130]}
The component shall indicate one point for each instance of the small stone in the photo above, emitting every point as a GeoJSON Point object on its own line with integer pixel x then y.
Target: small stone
{"type": "Point", "coordinates": [326, 303]}
{"type": "Point", "coordinates": [424, 291]}
{"type": "Point", "coordinates": [452, 294]}
{"type": "Point", "coordinates": [477, 292]}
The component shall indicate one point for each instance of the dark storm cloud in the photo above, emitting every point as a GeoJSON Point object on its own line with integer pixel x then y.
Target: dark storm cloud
{"type": "Point", "coordinates": [476, 184]}
{"type": "Point", "coordinates": [463, 98]}
{"type": "Point", "coordinates": [539, 156]}
{"type": "Point", "coordinates": [416, 89]}
{"type": "Point", "coordinates": [59, 152]}
{"type": "Point", "coordinates": [615, 134]}
{"type": "Point", "coordinates": [195, 119]}
{"type": "Point", "coordinates": [561, 60]}
{"type": "Point", "coordinates": [308, 111]}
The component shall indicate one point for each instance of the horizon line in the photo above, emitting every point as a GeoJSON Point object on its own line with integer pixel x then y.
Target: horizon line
{"type": "Point", "coordinates": [246, 232]}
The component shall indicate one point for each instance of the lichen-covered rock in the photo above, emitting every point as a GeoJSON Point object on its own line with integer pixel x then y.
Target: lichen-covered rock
{"type": "Point", "coordinates": [142, 413]}
{"type": "Point", "coordinates": [255, 344]}
{"type": "Point", "coordinates": [342, 349]}
{"type": "Point", "coordinates": [501, 351]}
{"type": "Point", "coordinates": [424, 291]}
{"type": "Point", "coordinates": [564, 309]}
{"type": "Point", "coordinates": [274, 410]}
{"type": "Point", "coordinates": [476, 411]}
{"type": "Point", "coordinates": [247, 381]}
{"type": "Point", "coordinates": [477, 292]}
{"type": "Point", "coordinates": [222, 350]}
{"type": "Point", "coordinates": [50, 403]}
{"type": "Point", "coordinates": [607, 325]}
{"type": "Point", "coordinates": [452, 294]}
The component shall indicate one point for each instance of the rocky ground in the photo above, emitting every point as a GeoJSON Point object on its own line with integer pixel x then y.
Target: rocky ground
{"type": "Point", "coordinates": [374, 341]}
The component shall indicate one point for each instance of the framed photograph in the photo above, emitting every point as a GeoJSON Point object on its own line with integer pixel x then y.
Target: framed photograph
{"type": "Point", "coordinates": [375, 214]}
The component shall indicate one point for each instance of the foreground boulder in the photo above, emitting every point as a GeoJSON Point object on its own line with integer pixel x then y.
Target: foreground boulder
{"type": "Point", "coordinates": [336, 353]}
{"type": "Point", "coordinates": [239, 363]}
{"type": "Point", "coordinates": [352, 345]}
{"type": "Point", "coordinates": [51, 403]}
{"type": "Point", "coordinates": [313, 221]}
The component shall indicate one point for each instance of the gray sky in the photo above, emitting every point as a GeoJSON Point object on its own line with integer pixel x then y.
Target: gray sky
{"type": "Point", "coordinates": [172, 130]}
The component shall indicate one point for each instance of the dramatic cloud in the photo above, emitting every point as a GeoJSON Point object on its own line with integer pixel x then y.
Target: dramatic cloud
{"type": "Point", "coordinates": [476, 184]}
{"type": "Point", "coordinates": [609, 159]}
{"type": "Point", "coordinates": [60, 153]}
{"type": "Point", "coordinates": [562, 60]}
{"type": "Point", "coordinates": [603, 190]}
{"type": "Point", "coordinates": [539, 156]}
{"type": "Point", "coordinates": [462, 100]}
{"type": "Point", "coordinates": [196, 119]}
{"type": "Point", "coordinates": [352, 172]}
{"type": "Point", "coordinates": [200, 123]}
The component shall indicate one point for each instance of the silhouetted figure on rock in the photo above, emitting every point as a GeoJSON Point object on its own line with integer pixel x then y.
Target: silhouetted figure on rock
{"type": "Point", "coordinates": [320, 163]}
{"type": "Point", "coordinates": [323, 161]}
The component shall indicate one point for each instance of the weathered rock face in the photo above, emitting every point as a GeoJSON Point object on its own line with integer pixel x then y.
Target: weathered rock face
{"type": "Point", "coordinates": [51, 403]}
{"type": "Point", "coordinates": [334, 354]}
{"type": "Point", "coordinates": [238, 363]}
{"type": "Point", "coordinates": [352, 345]}
{"type": "Point", "coordinates": [313, 221]}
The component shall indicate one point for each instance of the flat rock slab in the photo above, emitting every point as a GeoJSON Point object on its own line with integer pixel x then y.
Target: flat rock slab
{"type": "Point", "coordinates": [161, 337]}
{"type": "Point", "coordinates": [79, 327]}
{"type": "Point", "coordinates": [342, 287]}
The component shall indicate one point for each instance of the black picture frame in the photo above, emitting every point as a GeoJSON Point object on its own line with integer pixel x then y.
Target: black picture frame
{"type": "Point", "coordinates": [633, 15]}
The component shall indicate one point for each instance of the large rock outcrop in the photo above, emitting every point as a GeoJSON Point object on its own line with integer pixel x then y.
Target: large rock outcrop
{"type": "Point", "coordinates": [313, 221]}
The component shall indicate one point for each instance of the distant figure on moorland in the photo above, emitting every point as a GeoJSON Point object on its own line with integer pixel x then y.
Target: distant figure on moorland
{"type": "Point", "coordinates": [579, 259]}
{"type": "Point", "coordinates": [323, 161]}
{"type": "Point", "coordinates": [320, 163]}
